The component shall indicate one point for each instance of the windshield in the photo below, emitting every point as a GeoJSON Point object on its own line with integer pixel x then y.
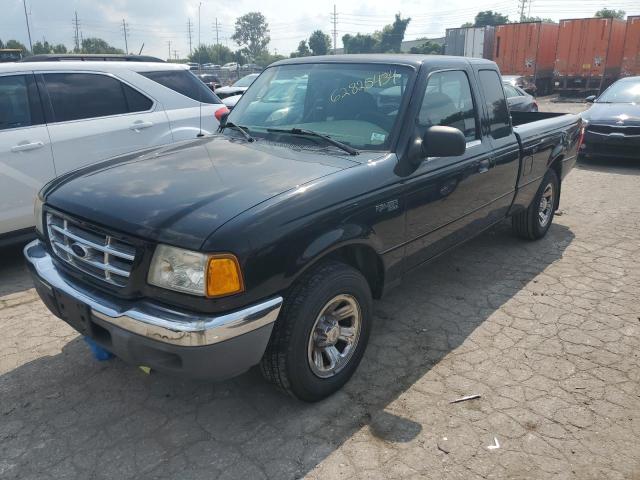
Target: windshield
{"type": "Point", "coordinates": [625, 91]}
{"type": "Point", "coordinates": [245, 81]}
{"type": "Point", "coordinates": [356, 104]}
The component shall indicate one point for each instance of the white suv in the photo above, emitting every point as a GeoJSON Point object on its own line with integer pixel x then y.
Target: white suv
{"type": "Point", "coordinates": [58, 116]}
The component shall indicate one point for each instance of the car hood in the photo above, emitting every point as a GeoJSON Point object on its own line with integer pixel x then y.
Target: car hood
{"type": "Point", "coordinates": [231, 101]}
{"type": "Point", "coordinates": [181, 194]}
{"type": "Point", "coordinates": [613, 114]}
{"type": "Point", "coordinates": [230, 89]}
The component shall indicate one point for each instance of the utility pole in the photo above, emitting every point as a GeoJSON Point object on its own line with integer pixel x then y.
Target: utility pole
{"type": "Point", "coordinates": [217, 37]}
{"type": "Point", "coordinates": [175, 54]}
{"type": "Point", "coordinates": [199, 44]}
{"type": "Point", "coordinates": [522, 4]}
{"type": "Point", "coordinates": [76, 29]}
{"type": "Point", "coordinates": [26, 17]}
{"type": "Point", "coordinates": [189, 32]}
{"type": "Point", "coordinates": [334, 18]}
{"type": "Point", "coordinates": [124, 30]}
{"type": "Point", "coordinates": [169, 43]}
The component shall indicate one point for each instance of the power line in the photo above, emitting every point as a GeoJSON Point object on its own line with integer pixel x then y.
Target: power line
{"type": "Point", "coordinates": [522, 4]}
{"type": "Point", "coordinates": [334, 19]}
{"type": "Point", "coordinates": [216, 27]}
{"type": "Point", "coordinates": [76, 36]}
{"type": "Point", "coordinates": [169, 44]}
{"type": "Point", "coordinates": [189, 33]}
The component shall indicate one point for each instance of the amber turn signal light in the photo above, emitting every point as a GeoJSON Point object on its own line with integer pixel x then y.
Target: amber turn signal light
{"type": "Point", "coordinates": [223, 276]}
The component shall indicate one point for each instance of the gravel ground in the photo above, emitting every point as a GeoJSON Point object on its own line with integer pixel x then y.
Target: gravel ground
{"type": "Point", "coordinates": [547, 332]}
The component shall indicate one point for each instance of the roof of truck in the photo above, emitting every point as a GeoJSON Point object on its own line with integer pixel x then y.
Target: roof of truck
{"type": "Point", "coordinates": [408, 59]}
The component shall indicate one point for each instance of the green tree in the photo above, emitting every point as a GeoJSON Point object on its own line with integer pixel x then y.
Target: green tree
{"type": "Point", "coordinates": [610, 13]}
{"type": "Point", "coordinates": [319, 43]}
{"type": "Point", "coordinates": [17, 44]}
{"type": "Point", "coordinates": [252, 33]}
{"type": "Point", "coordinates": [359, 43]}
{"type": "Point", "coordinates": [218, 54]}
{"type": "Point", "coordinates": [427, 48]}
{"type": "Point", "coordinates": [466, 25]}
{"type": "Point", "coordinates": [538, 19]}
{"type": "Point", "coordinates": [392, 35]}
{"type": "Point", "coordinates": [489, 18]}
{"type": "Point", "coordinates": [267, 58]}
{"type": "Point", "coordinates": [98, 45]}
{"type": "Point", "coordinates": [302, 51]}
{"type": "Point", "coordinates": [45, 47]}
{"type": "Point", "coordinates": [59, 48]}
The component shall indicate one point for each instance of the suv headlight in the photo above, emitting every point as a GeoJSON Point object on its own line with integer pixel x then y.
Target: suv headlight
{"type": "Point", "coordinates": [196, 273]}
{"type": "Point", "coordinates": [37, 213]}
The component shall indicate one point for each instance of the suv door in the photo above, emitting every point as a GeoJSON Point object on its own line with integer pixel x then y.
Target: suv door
{"type": "Point", "coordinates": [26, 162]}
{"type": "Point", "coordinates": [93, 116]}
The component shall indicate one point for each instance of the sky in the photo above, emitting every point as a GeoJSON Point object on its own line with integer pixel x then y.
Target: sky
{"type": "Point", "coordinates": [156, 23]}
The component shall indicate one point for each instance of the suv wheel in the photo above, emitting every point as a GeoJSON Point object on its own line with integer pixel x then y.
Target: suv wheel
{"type": "Point", "coordinates": [321, 332]}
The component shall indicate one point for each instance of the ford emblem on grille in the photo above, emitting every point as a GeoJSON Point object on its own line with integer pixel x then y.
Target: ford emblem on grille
{"type": "Point", "coordinates": [79, 250]}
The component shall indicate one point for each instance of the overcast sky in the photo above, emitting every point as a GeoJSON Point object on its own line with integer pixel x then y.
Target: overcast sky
{"type": "Point", "coordinates": [161, 21]}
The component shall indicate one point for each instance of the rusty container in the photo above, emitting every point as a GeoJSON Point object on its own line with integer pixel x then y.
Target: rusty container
{"type": "Point", "coordinates": [631, 52]}
{"type": "Point", "coordinates": [527, 49]}
{"type": "Point", "coordinates": [589, 54]}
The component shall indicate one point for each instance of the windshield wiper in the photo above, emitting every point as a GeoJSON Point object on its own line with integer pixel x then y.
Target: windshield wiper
{"type": "Point", "coordinates": [311, 133]}
{"type": "Point", "coordinates": [242, 130]}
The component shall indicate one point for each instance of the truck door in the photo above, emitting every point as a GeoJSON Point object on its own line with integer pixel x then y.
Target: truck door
{"type": "Point", "coordinates": [26, 162]}
{"type": "Point", "coordinates": [452, 198]}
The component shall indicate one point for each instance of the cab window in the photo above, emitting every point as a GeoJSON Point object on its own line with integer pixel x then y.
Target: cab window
{"type": "Point", "coordinates": [496, 104]}
{"type": "Point", "coordinates": [448, 101]}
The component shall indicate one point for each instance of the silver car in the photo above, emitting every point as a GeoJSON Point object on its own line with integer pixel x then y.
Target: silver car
{"type": "Point", "coordinates": [518, 99]}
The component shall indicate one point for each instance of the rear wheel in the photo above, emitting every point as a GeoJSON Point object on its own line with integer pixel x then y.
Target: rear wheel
{"type": "Point", "coordinates": [321, 332]}
{"type": "Point", "coordinates": [534, 222]}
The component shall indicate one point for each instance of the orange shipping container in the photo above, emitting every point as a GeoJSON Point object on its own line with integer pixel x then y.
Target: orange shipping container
{"type": "Point", "coordinates": [589, 54]}
{"type": "Point", "coordinates": [527, 49]}
{"type": "Point", "coordinates": [631, 55]}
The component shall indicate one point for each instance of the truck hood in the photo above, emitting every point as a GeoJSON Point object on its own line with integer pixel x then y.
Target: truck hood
{"type": "Point", "coordinates": [180, 194]}
{"type": "Point", "coordinates": [613, 113]}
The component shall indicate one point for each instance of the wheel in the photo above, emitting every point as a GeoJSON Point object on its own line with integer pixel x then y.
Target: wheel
{"type": "Point", "coordinates": [534, 222]}
{"type": "Point", "coordinates": [321, 333]}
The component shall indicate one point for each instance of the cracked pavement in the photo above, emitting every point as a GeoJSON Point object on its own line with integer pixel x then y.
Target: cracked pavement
{"type": "Point", "coordinates": [548, 333]}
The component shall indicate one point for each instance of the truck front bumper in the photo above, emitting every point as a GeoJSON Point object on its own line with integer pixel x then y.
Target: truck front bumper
{"type": "Point", "coordinates": [211, 347]}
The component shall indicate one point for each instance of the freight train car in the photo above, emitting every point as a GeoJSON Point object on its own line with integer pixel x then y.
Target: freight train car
{"type": "Point", "coordinates": [589, 55]}
{"type": "Point", "coordinates": [474, 42]}
{"type": "Point", "coordinates": [527, 49]}
{"type": "Point", "coordinates": [631, 52]}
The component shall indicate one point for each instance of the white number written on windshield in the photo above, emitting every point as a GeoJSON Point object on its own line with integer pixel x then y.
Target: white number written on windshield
{"type": "Point", "coordinates": [376, 80]}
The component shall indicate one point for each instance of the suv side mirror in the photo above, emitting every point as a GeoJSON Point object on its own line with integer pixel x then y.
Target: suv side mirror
{"type": "Point", "coordinates": [440, 141]}
{"type": "Point", "coordinates": [590, 99]}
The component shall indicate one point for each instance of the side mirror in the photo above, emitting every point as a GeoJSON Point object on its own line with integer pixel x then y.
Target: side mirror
{"type": "Point", "coordinates": [590, 99]}
{"type": "Point", "coordinates": [442, 141]}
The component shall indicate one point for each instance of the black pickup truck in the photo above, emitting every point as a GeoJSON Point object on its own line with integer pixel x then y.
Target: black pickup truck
{"type": "Point", "coordinates": [265, 243]}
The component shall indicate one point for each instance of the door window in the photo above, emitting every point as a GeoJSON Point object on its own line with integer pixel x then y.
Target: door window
{"type": "Point", "coordinates": [511, 92]}
{"type": "Point", "coordinates": [75, 96]}
{"type": "Point", "coordinates": [448, 101]}
{"type": "Point", "coordinates": [499, 124]}
{"type": "Point", "coordinates": [15, 110]}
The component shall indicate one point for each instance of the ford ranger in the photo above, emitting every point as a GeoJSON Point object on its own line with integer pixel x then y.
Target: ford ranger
{"type": "Point", "coordinates": [265, 243]}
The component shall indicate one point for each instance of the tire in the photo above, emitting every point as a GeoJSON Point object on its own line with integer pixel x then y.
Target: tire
{"type": "Point", "coordinates": [529, 223]}
{"type": "Point", "coordinates": [293, 352]}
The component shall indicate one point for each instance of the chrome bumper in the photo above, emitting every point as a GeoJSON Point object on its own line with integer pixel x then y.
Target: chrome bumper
{"type": "Point", "coordinates": [151, 320]}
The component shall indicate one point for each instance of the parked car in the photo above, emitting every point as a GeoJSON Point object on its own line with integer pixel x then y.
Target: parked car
{"type": "Point", "coordinates": [231, 66]}
{"type": "Point", "coordinates": [266, 244]}
{"type": "Point", "coordinates": [90, 57]}
{"type": "Point", "coordinates": [521, 82]}
{"type": "Point", "coordinates": [58, 116]}
{"type": "Point", "coordinates": [239, 87]}
{"type": "Point", "coordinates": [210, 66]}
{"type": "Point", "coordinates": [211, 81]}
{"type": "Point", "coordinates": [231, 101]}
{"type": "Point", "coordinates": [519, 100]}
{"type": "Point", "coordinates": [250, 66]}
{"type": "Point", "coordinates": [193, 66]}
{"type": "Point", "coordinates": [613, 122]}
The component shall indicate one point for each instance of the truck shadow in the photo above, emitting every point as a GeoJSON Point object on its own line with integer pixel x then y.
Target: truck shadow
{"type": "Point", "coordinates": [13, 272]}
{"type": "Point", "coordinates": [92, 419]}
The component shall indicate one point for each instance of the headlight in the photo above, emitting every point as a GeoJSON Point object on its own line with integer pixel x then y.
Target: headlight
{"type": "Point", "coordinates": [195, 273]}
{"type": "Point", "coordinates": [37, 213]}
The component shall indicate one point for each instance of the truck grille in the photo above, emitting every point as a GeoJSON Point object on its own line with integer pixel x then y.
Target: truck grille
{"type": "Point", "coordinates": [97, 254]}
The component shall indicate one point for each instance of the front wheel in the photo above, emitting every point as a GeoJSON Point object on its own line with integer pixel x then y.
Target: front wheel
{"type": "Point", "coordinates": [534, 222]}
{"type": "Point", "coordinates": [321, 333]}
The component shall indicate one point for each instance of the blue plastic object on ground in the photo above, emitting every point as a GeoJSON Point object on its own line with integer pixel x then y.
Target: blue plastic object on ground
{"type": "Point", "coordinates": [99, 353]}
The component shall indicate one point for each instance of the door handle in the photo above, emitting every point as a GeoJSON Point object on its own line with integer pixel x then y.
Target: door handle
{"type": "Point", "coordinates": [23, 147]}
{"type": "Point", "coordinates": [484, 166]}
{"type": "Point", "coordinates": [137, 126]}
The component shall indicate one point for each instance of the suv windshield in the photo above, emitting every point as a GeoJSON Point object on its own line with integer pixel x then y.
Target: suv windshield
{"type": "Point", "coordinates": [246, 81]}
{"type": "Point", "coordinates": [356, 104]}
{"type": "Point", "coordinates": [624, 91]}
